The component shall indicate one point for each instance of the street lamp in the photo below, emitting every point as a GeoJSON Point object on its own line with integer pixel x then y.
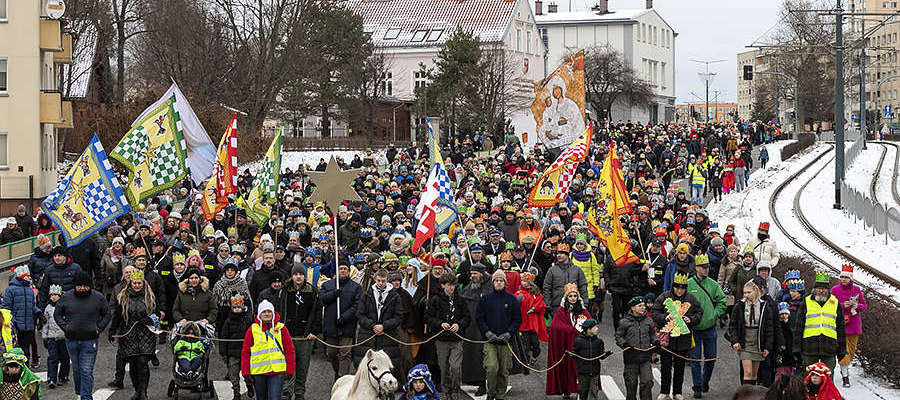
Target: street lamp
{"type": "Point", "coordinates": [706, 77]}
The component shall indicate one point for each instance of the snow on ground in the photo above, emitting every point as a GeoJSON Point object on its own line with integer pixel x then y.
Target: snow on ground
{"type": "Point", "coordinates": [859, 174]}
{"type": "Point", "coordinates": [292, 159]}
{"type": "Point", "coordinates": [863, 386]}
{"type": "Point", "coordinates": [883, 189]}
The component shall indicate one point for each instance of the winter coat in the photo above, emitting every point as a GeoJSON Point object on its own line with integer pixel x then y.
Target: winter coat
{"type": "Point", "coordinates": [558, 276]}
{"type": "Point", "coordinates": [820, 345]}
{"type": "Point", "coordinates": [621, 280]}
{"type": "Point", "coordinates": [19, 299]}
{"type": "Point", "coordinates": [38, 263]}
{"type": "Point", "coordinates": [112, 271]}
{"type": "Point", "coordinates": [391, 317]}
{"type": "Point", "coordinates": [592, 269]}
{"type": "Point", "coordinates": [712, 300]}
{"type": "Point", "coordinates": [26, 224]}
{"type": "Point", "coordinates": [350, 294]}
{"type": "Point", "coordinates": [132, 323]}
{"type": "Point", "coordinates": [51, 329]}
{"type": "Point", "coordinates": [844, 293]}
{"type": "Point", "coordinates": [286, 342]}
{"type": "Point", "coordinates": [62, 275]}
{"type": "Point", "coordinates": [87, 256]}
{"type": "Point", "coordinates": [9, 235]}
{"type": "Point", "coordinates": [767, 325]}
{"type": "Point", "coordinates": [155, 282]}
{"type": "Point", "coordinates": [232, 326]}
{"type": "Point", "coordinates": [438, 312]}
{"type": "Point", "coordinates": [676, 265]}
{"type": "Point", "coordinates": [301, 317]}
{"type": "Point", "coordinates": [764, 250]}
{"type": "Point", "coordinates": [785, 357]}
{"type": "Point", "coordinates": [194, 304]}
{"type": "Point", "coordinates": [738, 279]}
{"type": "Point", "coordinates": [533, 321]}
{"type": "Point", "coordinates": [82, 318]}
{"type": "Point", "coordinates": [726, 270]}
{"type": "Point", "coordinates": [588, 346]}
{"type": "Point", "coordinates": [694, 314]}
{"type": "Point", "coordinates": [498, 312]}
{"type": "Point", "coordinates": [636, 332]}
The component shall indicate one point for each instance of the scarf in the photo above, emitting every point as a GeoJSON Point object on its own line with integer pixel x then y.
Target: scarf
{"type": "Point", "coordinates": [581, 255]}
{"type": "Point", "coordinates": [225, 288]}
{"type": "Point", "coordinates": [114, 255]}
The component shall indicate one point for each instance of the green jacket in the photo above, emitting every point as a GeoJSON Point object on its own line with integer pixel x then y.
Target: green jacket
{"type": "Point", "coordinates": [30, 383]}
{"type": "Point", "coordinates": [713, 304]}
{"type": "Point", "coordinates": [189, 350]}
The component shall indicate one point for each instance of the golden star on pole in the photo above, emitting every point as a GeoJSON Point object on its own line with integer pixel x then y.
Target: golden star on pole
{"type": "Point", "coordinates": [333, 185]}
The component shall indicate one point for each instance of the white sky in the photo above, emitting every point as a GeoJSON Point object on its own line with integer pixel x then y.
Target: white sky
{"type": "Point", "coordinates": [707, 30]}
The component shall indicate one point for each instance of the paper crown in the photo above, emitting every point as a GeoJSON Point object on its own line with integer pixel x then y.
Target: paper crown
{"type": "Point", "coordinates": [847, 270]}
{"type": "Point", "coordinates": [680, 278]}
{"type": "Point", "coordinates": [660, 230]}
{"type": "Point", "coordinates": [237, 300]}
{"type": "Point", "coordinates": [56, 289]}
{"type": "Point", "coordinates": [510, 245]}
{"type": "Point", "coordinates": [764, 226]}
{"type": "Point", "coordinates": [506, 256]}
{"type": "Point", "coordinates": [137, 275]}
{"type": "Point", "coordinates": [783, 307]}
{"type": "Point", "coordinates": [581, 238]}
{"type": "Point", "coordinates": [562, 248]}
{"type": "Point", "coordinates": [796, 284]}
{"type": "Point", "coordinates": [822, 277]}
{"type": "Point", "coordinates": [792, 274]}
{"type": "Point", "coordinates": [139, 252]}
{"type": "Point", "coordinates": [570, 287]}
{"type": "Point", "coordinates": [527, 276]}
{"type": "Point", "coordinates": [701, 259]}
{"type": "Point", "coordinates": [177, 258]}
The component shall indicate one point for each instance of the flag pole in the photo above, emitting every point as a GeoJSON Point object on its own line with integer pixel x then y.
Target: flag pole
{"type": "Point", "coordinates": [337, 266]}
{"type": "Point", "coordinates": [538, 241]}
{"type": "Point", "coordinates": [468, 252]}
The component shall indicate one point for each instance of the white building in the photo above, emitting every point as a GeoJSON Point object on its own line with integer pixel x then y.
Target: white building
{"type": "Point", "coordinates": [642, 36]}
{"type": "Point", "coordinates": [410, 33]}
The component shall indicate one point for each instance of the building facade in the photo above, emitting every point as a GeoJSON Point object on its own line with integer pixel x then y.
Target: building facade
{"type": "Point", "coordinates": [696, 112]}
{"type": "Point", "coordinates": [642, 36]}
{"type": "Point", "coordinates": [32, 48]}
{"type": "Point", "coordinates": [882, 79]}
{"type": "Point", "coordinates": [763, 65]}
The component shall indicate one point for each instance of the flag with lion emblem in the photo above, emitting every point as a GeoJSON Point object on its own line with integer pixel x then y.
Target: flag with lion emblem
{"type": "Point", "coordinates": [88, 198]}
{"type": "Point", "coordinates": [612, 202]}
{"type": "Point", "coordinates": [153, 150]}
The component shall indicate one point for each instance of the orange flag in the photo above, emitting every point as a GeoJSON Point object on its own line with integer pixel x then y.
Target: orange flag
{"type": "Point", "coordinates": [603, 218]}
{"type": "Point", "coordinates": [224, 178]}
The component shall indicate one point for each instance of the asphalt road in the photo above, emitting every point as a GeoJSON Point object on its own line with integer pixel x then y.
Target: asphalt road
{"type": "Point", "coordinates": [725, 377]}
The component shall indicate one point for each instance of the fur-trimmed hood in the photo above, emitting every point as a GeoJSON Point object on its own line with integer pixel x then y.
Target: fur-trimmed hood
{"type": "Point", "coordinates": [183, 285]}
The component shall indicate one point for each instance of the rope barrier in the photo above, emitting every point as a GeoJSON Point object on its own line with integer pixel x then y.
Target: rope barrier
{"type": "Point", "coordinates": [463, 338]}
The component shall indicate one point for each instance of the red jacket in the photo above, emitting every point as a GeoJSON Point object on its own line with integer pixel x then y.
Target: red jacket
{"type": "Point", "coordinates": [285, 341]}
{"type": "Point", "coordinates": [533, 322]}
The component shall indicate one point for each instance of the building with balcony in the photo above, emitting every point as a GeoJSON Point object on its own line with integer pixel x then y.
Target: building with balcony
{"type": "Point", "coordinates": [32, 48]}
{"type": "Point", "coordinates": [642, 36]}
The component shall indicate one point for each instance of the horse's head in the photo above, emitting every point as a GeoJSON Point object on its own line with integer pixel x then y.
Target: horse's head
{"type": "Point", "coordinates": [379, 367]}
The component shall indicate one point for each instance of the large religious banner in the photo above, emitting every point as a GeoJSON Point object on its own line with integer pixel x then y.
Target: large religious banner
{"type": "Point", "coordinates": [555, 117]}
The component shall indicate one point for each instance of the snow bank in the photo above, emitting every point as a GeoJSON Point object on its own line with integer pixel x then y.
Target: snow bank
{"type": "Point", "coordinates": [292, 159]}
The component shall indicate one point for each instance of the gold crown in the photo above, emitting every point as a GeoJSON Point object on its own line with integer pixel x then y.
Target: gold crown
{"type": "Point", "coordinates": [177, 258]}
{"type": "Point", "coordinates": [570, 287]}
{"type": "Point", "coordinates": [680, 278]}
{"type": "Point", "coordinates": [526, 276]}
{"type": "Point", "coordinates": [137, 275]}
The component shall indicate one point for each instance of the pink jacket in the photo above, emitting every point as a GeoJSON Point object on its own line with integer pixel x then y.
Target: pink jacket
{"type": "Point", "coordinates": [844, 293]}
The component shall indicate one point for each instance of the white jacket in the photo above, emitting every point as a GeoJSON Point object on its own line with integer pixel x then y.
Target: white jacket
{"type": "Point", "coordinates": [766, 250]}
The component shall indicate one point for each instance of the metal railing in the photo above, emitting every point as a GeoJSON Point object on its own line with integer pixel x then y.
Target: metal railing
{"type": "Point", "coordinates": [882, 219]}
{"type": "Point", "coordinates": [18, 252]}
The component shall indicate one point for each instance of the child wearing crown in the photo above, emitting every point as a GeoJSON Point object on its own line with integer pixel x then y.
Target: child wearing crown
{"type": "Point", "coordinates": [533, 329]}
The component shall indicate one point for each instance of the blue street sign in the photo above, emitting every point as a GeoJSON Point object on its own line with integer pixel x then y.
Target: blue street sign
{"type": "Point", "coordinates": [888, 111]}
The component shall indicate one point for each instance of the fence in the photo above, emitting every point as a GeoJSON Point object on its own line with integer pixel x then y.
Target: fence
{"type": "Point", "coordinates": [883, 220]}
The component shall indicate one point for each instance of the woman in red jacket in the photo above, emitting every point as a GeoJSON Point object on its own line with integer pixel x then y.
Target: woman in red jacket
{"type": "Point", "coordinates": [267, 354]}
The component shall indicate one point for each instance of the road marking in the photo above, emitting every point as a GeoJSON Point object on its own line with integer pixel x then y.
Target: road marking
{"type": "Point", "coordinates": [470, 390]}
{"type": "Point", "coordinates": [610, 389]}
{"type": "Point", "coordinates": [103, 394]}
{"type": "Point", "coordinates": [223, 389]}
{"type": "Point", "coordinates": [656, 375]}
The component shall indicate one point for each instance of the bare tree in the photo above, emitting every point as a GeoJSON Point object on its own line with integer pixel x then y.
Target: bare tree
{"type": "Point", "coordinates": [127, 19]}
{"type": "Point", "coordinates": [610, 79]}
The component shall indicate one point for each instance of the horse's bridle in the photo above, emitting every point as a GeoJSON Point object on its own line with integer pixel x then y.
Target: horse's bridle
{"type": "Point", "coordinates": [378, 379]}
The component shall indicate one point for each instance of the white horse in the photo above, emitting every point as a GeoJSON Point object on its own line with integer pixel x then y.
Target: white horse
{"type": "Point", "coordinates": [373, 379]}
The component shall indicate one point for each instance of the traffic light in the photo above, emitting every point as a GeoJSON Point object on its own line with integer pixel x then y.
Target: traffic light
{"type": "Point", "coordinates": [748, 72]}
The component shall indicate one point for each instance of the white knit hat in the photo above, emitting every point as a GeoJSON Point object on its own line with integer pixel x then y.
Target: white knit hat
{"type": "Point", "coordinates": [264, 305]}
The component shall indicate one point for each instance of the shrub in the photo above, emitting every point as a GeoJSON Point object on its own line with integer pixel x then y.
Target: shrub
{"type": "Point", "coordinates": [806, 140]}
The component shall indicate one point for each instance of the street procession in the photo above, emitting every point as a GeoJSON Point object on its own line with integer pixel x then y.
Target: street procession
{"type": "Point", "coordinates": [446, 199]}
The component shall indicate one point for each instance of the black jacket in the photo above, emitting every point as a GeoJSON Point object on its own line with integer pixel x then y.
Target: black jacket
{"type": "Point", "coordinates": [300, 309]}
{"type": "Point", "coordinates": [767, 325]}
{"type": "Point", "coordinates": [233, 326]}
{"type": "Point", "coordinates": [391, 317]}
{"type": "Point", "coordinates": [694, 313]}
{"type": "Point", "coordinates": [820, 345]}
{"type": "Point", "coordinates": [588, 346]}
{"type": "Point", "coordinates": [438, 312]}
{"type": "Point", "coordinates": [636, 332]}
{"type": "Point", "coordinates": [62, 275]}
{"type": "Point", "coordinates": [82, 318]}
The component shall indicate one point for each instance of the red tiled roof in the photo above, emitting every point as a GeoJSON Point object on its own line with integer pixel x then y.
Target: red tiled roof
{"type": "Point", "coordinates": [488, 19]}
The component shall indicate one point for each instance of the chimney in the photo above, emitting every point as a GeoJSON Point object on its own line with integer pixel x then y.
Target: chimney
{"type": "Point", "coordinates": [649, 4]}
{"type": "Point", "coordinates": [538, 7]}
{"type": "Point", "coordinates": [552, 8]}
{"type": "Point", "coordinates": [602, 7]}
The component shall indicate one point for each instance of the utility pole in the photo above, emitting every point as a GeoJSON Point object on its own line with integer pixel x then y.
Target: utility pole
{"type": "Point", "coordinates": [706, 78]}
{"type": "Point", "coordinates": [862, 78]}
{"type": "Point", "coordinates": [838, 103]}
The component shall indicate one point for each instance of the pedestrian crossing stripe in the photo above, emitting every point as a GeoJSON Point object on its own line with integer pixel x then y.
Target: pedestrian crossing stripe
{"type": "Point", "coordinates": [470, 390]}
{"type": "Point", "coordinates": [610, 389]}
{"type": "Point", "coordinates": [223, 389]}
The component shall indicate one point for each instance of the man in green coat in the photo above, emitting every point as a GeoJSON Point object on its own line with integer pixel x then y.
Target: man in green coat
{"type": "Point", "coordinates": [17, 382]}
{"type": "Point", "coordinates": [712, 301]}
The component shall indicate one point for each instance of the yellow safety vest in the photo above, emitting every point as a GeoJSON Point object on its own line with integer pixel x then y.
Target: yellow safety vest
{"type": "Point", "coordinates": [696, 173]}
{"type": "Point", "coordinates": [267, 355]}
{"type": "Point", "coordinates": [6, 330]}
{"type": "Point", "coordinates": [820, 320]}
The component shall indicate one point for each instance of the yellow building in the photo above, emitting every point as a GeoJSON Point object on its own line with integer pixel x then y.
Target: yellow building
{"type": "Point", "coordinates": [32, 46]}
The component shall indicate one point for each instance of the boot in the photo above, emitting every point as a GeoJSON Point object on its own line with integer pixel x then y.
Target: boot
{"type": "Point", "coordinates": [482, 390]}
{"type": "Point", "coordinates": [846, 381]}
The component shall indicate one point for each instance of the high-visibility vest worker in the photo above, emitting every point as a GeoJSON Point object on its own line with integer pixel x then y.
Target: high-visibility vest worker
{"type": "Point", "coordinates": [821, 319]}
{"type": "Point", "coordinates": [696, 174]}
{"type": "Point", "coordinates": [267, 352]}
{"type": "Point", "coordinates": [6, 333]}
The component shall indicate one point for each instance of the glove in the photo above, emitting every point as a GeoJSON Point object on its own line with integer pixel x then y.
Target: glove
{"type": "Point", "coordinates": [490, 336]}
{"type": "Point", "coordinates": [530, 310]}
{"type": "Point", "coordinates": [337, 292]}
{"type": "Point", "coordinates": [504, 337]}
{"type": "Point", "coordinates": [606, 354]}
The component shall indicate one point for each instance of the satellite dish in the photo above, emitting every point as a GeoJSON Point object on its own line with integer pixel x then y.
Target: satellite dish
{"type": "Point", "coordinates": [55, 9]}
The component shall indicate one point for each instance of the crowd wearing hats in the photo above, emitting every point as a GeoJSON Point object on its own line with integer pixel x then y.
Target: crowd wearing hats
{"type": "Point", "coordinates": [503, 272]}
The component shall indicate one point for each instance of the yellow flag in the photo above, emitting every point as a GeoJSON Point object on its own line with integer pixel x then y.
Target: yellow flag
{"type": "Point", "coordinates": [603, 218]}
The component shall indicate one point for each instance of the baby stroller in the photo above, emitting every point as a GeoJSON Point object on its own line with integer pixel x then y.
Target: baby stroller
{"type": "Point", "coordinates": [191, 347]}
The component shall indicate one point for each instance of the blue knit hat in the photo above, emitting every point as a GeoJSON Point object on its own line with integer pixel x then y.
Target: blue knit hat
{"type": "Point", "coordinates": [783, 307]}
{"type": "Point", "coordinates": [420, 371]}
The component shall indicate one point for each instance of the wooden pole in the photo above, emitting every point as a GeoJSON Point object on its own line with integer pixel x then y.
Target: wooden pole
{"type": "Point", "coordinates": [337, 264]}
{"type": "Point", "coordinates": [538, 241]}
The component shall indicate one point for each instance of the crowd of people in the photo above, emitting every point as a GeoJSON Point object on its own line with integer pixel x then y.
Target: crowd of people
{"type": "Point", "coordinates": [490, 290]}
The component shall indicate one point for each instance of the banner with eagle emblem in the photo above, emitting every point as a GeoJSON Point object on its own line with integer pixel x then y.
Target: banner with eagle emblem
{"type": "Point", "coordinates": [612, 202]}
{"type": "Point", "coordinates": [153, 150]}
{"type": "Point", "coordinates": [88, 198]}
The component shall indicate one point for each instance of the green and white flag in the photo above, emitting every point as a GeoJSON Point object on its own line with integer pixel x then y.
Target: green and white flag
{"type": "Point", "coordinates": [265, 189]}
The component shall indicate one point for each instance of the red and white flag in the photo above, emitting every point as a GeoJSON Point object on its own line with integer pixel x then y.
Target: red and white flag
{"type": "Point", "coordinates": [224, 179]}
{"type": "Point", "coordinates": [427, 211]}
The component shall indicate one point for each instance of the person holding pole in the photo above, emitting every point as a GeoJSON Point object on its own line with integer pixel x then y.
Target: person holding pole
{"type": "Point", "coordinates": [340, 298]}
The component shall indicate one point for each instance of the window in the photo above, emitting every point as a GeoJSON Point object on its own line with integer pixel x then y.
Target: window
{"type": "Point", "coordinates": [643, 33]}
{"type": "Point", "coordinates": [392, 34]}
{"type": "Point", "coordinates": [420, 79]}
{"type": "Point", "coordinates": [434, 35]}
{"type": "Point", "coordinates": [528, 41]}
{"type": "Point", "coordinates": [2, 10]}
{"type": "Point", "coordinates": [662, 74]}
{"type": "Point", "coordinates": [3, 148]}
{"type": "Point", "coordinates": [419, 36]}
{"type": "Point", "coordinates": [387, 84]}
{"type": "Point", "coordinates": [3, 78]}
{"type": "Point", "coordinates": [518, 39]}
